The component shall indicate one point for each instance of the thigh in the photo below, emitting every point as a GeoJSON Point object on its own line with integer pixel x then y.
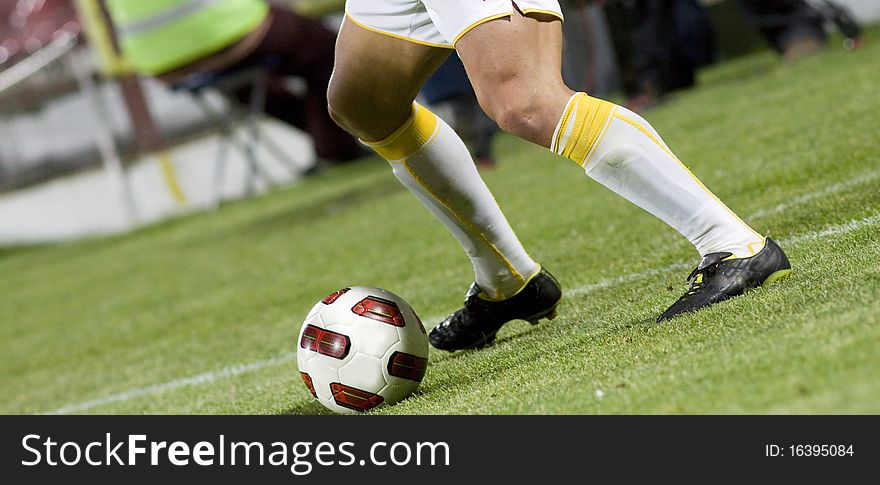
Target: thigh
{"type": "Point", "coordinates": [527, 49]}
{"type": "Point", "coordinates": [376, 77]}
{"type": "Point", "coordinates": [515, 62]}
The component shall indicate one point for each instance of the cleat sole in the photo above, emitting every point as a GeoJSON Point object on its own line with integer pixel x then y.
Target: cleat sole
{"type": "Point", "coordinates": [549, 315]}
{"type": "Point", "coordinates": [777, 276]}
{"type": "Point", "coordinates": [534, 320]}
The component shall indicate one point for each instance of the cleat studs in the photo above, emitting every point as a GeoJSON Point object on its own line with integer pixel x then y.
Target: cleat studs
{"type": "Point", "coordinates": [550, 315]}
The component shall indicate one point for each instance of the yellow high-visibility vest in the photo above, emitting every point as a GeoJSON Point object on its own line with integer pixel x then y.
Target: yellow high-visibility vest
{"type": "Point", "coordinates": [158, 36]}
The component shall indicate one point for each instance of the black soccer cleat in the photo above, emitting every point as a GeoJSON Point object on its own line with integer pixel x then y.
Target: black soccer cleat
{"type": "Point", "coordinates": [718, 278]}
{"type": "Point", "coordinates": [476, 324]}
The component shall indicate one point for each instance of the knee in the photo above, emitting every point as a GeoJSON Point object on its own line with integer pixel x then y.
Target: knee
{"type": "Point", "coordinates": [515, 110]}
{"type": "Point", "coordinates": [340, 110]}
{"type": "Point", "coordinates": [347, 107]}
{"type": "Point", "coordinates": [338, 117]}
{"type": "Point", "coordinates": [366, 117]}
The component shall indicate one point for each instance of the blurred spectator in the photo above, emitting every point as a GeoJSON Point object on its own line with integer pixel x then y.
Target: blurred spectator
{"type": "Point", "coordinates": [589, 62]}
{"type": "Point", "coordinates": [793, 27]}
{"type": "Point", "coordinates": [179, 38]}
{"type": "Point", "coordinates": [660, 45]}
{"type": "Point", "coordinates": [450, 85]}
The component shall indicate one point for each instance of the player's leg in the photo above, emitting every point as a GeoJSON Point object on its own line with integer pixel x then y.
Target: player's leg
{"type": "Point", "coordinates": [371, 94]}
{"type": "Point", "coordinates": [515, 63]}
{"type": "Point", "coordinates": [375, 79]}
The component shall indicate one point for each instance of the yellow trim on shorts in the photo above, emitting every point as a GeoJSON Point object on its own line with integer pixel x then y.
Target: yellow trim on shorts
{"type": "Point", "coordinates": [548, 12]}
{"type": "Point", "coordinates": [396, 36]}
{"type": "Point", "coordinates": [477, 24]}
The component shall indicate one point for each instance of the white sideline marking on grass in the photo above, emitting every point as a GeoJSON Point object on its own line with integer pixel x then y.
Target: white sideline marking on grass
{"type": "Point", "coordinates": [237, 370]}
{"type": "Point", "coordinates": [224, 373]}
{"type": "Point", "coordinates": [609, 282]}
{"type": "Point", "coordinates": [836, 230]}
{"type": "Point", "coordinates": [846, 227]}
{"type": "Point", "coordinates": [831, 189]}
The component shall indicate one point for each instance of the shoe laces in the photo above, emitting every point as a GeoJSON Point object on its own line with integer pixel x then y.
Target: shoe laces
{"type": "Point", "coordinates": [463, 312]}
{"type": "Point", "coordinates": [696, 280]}
{"type": "Point", "coordinates": [707, 268]}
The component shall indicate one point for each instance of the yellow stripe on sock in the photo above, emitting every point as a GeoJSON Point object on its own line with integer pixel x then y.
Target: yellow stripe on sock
{"type": "Point", "coordinates": [666, 149]}
{"type": "Point", "coordinates": [464, 223]}
{"type": "Point", "coordinates": [600, 112]}
{"type": "Point", "coordinates": [576, 130]}
{"type": "Point", "coordinates": [563, 124]}
{"type": "Point", "coordinates": [591, 116]}
{"type": "Point", "coordinates": [409, 138]}
{"type": "Point", "coordinates": [761, 243]}
{"type": "Point", "coordinates": [578, 126]}
{"type": "Point", "coordinates": [501, 297]}
{"type": "Point", "coordinates": [602, 134]}
{"type": "Point", "coordinates": [418, 132]}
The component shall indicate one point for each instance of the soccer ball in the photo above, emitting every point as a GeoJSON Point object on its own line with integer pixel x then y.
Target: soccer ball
{"type": "Point", "coordinates": [360, 348]}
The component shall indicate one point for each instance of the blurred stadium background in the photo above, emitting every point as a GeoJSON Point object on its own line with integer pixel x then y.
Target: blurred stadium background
{"type": "Point", "coordinates": [86, 148]}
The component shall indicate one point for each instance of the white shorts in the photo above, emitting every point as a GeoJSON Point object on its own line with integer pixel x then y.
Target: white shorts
{"type": "Point", "coordinates": [437, 23]}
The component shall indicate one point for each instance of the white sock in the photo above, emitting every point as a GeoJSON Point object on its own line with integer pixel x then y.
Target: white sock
{"type": "Point", "coordinates": [620, 150]}
{"type": "Point", "coordinates": [430, 159]}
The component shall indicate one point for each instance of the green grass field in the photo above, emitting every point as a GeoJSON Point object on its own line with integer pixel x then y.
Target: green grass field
{"type": "Point", "coordinates": [201, 314]}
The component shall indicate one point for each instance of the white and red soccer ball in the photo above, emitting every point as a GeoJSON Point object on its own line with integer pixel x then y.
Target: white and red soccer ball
{"type": "Point", "coordinates": [360, 348]}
